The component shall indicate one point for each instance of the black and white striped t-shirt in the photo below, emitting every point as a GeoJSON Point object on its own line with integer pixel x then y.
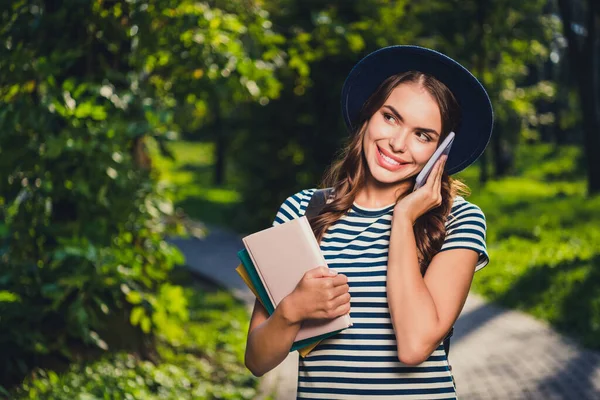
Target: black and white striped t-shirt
{"type": "Point", "coordinates": [361, 362]}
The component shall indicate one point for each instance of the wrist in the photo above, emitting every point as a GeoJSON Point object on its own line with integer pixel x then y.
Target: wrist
{"type": "Point", "coordinates": [402, 218]}
{"type": "Point", "coordinates": [289, 311]}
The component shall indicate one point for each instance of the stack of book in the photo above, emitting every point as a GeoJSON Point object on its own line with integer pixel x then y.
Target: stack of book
{"type": "Point", "coordinates": [273, 262]}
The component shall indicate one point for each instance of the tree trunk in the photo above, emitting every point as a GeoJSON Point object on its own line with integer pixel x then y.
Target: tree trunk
{"type": "Point", "coordinates": [591, 127]}
{"type": "Point", "coordinates": [483, 173]}
{"type": "Point", "coordinates": [502, 156]}
{"type": "Point", "coordinates": [220, 145]}
{"type": "Point", "coordinates": [562, 92]}
{"type": "Point", "coordinates": [584, 63]}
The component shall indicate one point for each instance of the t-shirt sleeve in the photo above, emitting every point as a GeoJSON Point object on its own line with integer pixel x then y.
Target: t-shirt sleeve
{"type": "Point", "coordinates": [293, 207]}
{"type": "Point", "coordinates": [465, 229]}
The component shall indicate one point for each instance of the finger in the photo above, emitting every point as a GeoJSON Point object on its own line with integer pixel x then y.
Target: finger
{"type": "Point", "coordinates": [342, 309]}
{"type": "Point", "coordinates": [320, 272]}
{"type": "Point", "coordinates": [443, 168]}
{"type": "Point", "coordinates": [432, 176]}
{"type": "Point", "coordinates": [437, 189]}
{"type": "Point", "coordinates": [341, 300]}
{"type": "Point", "coordinates": [438, 174]}
{"type": "Point", "coordinates": [339, 290]}
{"type": "Point", "coordinates": [340, 279]}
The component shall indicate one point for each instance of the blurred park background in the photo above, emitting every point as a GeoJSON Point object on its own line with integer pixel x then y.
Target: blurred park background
{"type": "Point", "coordinates": [126, 122]}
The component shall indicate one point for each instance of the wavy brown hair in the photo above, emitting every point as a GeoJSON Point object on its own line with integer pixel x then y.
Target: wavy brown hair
{"type": "Point", "coordinates": [348, 173]}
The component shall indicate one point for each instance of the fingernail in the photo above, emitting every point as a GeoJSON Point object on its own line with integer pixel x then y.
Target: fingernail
{"type": "Point", "coordinates": [333, 272]}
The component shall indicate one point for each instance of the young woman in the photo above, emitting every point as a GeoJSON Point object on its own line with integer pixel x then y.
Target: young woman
{"type": "Point", "coordinates": [400, 261]}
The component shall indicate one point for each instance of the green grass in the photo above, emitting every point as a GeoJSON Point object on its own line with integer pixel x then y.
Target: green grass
{"type": "Point", "coordinates": [190, 176]}
{"type": "Point", "coordinates": [206, 364]}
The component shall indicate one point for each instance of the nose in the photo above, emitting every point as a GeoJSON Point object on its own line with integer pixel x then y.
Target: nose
{"type": "Point", "coordinates": [398, 141]}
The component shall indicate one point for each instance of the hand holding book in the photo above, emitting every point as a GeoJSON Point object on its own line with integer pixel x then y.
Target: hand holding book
{"type": "Point", "coordinates": [322, 293]}
{"type": "Point", "coordinates": [282, 261]}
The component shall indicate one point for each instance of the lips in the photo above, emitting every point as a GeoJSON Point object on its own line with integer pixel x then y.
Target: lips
{"type": "Point", "coordinates": [383, 159]}
{"type": "Point", "coordinates": [387, 154]}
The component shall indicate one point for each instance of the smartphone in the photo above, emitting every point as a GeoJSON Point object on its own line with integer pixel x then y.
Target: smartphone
{"type": "Point", "coordinates": [442, 149]}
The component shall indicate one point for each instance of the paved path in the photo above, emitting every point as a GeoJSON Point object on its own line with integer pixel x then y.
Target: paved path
{"type": "Point", "coordinates": [496, 353]}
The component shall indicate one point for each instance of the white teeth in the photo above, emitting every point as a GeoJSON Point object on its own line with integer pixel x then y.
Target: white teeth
{"type": "Point", "coordinates": [386, 158]}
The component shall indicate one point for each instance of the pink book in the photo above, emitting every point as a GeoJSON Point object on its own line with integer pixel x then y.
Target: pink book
{"type": "Point", "coordinates": [281, 256]}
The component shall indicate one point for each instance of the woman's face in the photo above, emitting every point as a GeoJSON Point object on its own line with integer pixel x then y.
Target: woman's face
{"type": "Point", "coordinates": [403, 134]}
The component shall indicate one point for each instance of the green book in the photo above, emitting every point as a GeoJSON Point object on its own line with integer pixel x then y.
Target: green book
{"type": "Point", "coordinates": [258, 285]}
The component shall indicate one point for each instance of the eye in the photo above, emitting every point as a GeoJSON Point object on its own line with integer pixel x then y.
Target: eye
{"type": "Point", "coordinates": [424, 137]}
{"type": "Point", "coordinates": [389, 117]}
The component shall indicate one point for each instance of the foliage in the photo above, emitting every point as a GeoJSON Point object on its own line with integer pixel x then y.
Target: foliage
{"type": "Point", "coordinates": [289, 142]}
{"type": "Point", "coordinates": [204, 363]}
{"type": "Point", "coordinates": [83, 217]}
{"type": "Point", "coordinates": [83, 224]}
{"type": "Point", "coordinates": [204, 60]}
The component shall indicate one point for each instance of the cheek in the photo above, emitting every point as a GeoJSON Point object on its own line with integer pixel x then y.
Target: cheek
{"type": "Point", "coordinates": [422, 153]}
{"type": "Point", "coordinates": [378, 128]}
{"type": "Point", "coordinates": [371, 136]}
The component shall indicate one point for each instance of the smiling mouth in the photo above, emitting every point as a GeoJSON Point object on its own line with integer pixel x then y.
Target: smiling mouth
{"type": "Point", "coordinates": [389, 160]}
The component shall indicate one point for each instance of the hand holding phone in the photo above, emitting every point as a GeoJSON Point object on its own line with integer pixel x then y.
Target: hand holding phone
{"type": "Point", "coordinates": [443, 149]}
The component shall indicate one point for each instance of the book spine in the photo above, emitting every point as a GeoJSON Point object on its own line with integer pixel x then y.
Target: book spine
{"type": "Point", "coordinates": [262, 278]}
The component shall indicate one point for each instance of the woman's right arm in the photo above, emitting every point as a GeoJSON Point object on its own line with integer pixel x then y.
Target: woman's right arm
{"type": "Point", "coordinates": [319, 295]}
{"type": "Point", "coordinates": [262, 352]}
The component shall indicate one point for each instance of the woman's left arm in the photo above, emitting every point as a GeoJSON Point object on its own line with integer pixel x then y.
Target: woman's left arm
{"type": "Point", "coordinates": [423, 309]}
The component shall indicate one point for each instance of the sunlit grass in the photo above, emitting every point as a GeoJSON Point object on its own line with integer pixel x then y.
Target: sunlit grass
{"type": "Point", "coordinates": [190, 176]}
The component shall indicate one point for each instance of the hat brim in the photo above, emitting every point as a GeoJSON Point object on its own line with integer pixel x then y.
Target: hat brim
{"type": "Point", "coordinates": [477, 118]}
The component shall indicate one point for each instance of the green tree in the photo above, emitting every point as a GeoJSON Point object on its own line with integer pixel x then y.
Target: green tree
{"type": "Point", "coordinates": [205, 61]}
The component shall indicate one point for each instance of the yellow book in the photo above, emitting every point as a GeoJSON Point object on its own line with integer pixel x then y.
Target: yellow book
{"type": "Point", "coordinates": [244, 275]}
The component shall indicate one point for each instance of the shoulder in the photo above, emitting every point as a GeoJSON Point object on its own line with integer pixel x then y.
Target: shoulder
{"type": "Point", "coordinates": [466, 229]}
{"type": "Point", "coordinates": [464, 211]}
{"type": "Point", "coordinates": [294, 206]}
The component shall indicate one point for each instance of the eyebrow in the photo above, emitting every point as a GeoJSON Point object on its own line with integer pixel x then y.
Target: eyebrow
{"type": "Point", "coordinates": [397, 114]}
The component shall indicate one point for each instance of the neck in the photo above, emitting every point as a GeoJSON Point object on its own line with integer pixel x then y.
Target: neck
{"type": "Point", "coordinates": [375, 194]}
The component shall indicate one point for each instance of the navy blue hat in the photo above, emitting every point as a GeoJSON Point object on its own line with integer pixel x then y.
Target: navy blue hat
{"type": "Point", "coordinates": [477, 118]}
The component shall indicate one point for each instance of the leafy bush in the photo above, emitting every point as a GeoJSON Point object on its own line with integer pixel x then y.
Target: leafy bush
{"type": "Point", "coordinates": [83, 221]}
{"type": "Point", "coordinates": [204, 363]}
{"type": "Point", "coordinates": [81, 242]}
{"type": "Point", "coordinates": [83, 233]}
